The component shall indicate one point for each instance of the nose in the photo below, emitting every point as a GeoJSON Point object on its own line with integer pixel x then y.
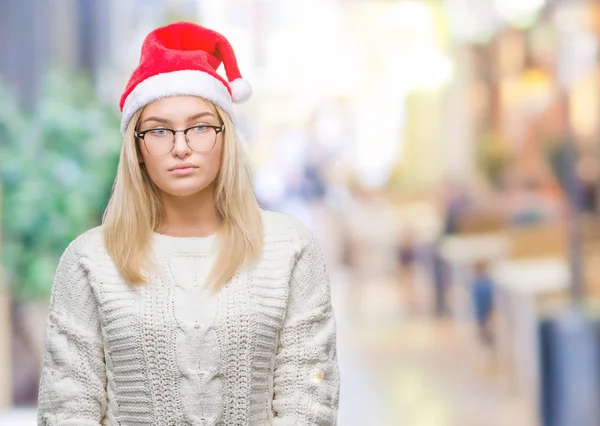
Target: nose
{"type": "Point", "coordinates": [180, 147]}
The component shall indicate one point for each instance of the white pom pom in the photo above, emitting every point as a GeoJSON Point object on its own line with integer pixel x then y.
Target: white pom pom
{"type": "Point", "coordinates": [240, 90]}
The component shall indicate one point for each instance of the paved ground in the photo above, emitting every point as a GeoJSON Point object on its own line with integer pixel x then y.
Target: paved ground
{"type": "Point", "coordinates": [18, 417]}
{"type": "Point", "coordinates": [426, 372]}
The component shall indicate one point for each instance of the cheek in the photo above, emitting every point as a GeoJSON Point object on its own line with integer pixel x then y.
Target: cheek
{"type": "Point", "coordinates": [154, 168]}
{"type": "Point", "coordinates": [215, 161]}
{"type": "Point", "coordinates": [210, 163]}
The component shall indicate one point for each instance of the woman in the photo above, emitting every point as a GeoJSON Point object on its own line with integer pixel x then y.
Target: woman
{"type": "Point", "coordinates": [189, 305]}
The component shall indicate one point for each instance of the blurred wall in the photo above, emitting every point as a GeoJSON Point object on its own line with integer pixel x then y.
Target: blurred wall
{"type": "Point", "coordinates": [72, 34]}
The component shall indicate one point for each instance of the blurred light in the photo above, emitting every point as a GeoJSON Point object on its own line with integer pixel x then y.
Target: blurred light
{"type": "Point", "coordinates": [410, 14]}
{"type": "Point", "coordinates": [330, 127]}
{"type": "Point", "coordinates": [577, 55]}
{"type": "Point", "coordinates": [538, 87]}
{"type": "Point", "coordinates": [577, 46]}
{"type": "Point", "coordinates": [422, 68]}
{"type": "Point", "coordinates": [519, 12]}
{"type": "Point", "coordinates": [378, 137]}
{"type": "Point", "coordinates": [416, 61]}
{"type": "Point", "coordinates": [472, 20]}
{"type": "Point", "coordinates": [570, 18]}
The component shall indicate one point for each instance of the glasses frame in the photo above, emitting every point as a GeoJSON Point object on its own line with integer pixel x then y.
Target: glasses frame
{"type": "Point", "coordinates": [218, 129]}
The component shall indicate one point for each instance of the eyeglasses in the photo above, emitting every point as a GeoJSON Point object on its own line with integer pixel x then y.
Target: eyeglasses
{"type": "Point", "coordinates": [161, 141]}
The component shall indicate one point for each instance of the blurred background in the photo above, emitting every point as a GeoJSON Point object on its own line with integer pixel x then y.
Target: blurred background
{"type": "Point", "coordinates": [446, 153]}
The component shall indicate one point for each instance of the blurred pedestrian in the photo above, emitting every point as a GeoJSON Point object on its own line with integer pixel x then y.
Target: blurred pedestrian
{"type": "Point", "coordinates": [482, 294]}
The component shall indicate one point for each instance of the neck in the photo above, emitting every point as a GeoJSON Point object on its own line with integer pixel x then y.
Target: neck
{"type": "Point", "coordinates": [190, 216]}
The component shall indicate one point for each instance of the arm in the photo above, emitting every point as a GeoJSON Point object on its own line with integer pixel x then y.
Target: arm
{"type": "Point", "coordinates": [72, 388]}
{"type": "Point", "coordinates": [306, 379]}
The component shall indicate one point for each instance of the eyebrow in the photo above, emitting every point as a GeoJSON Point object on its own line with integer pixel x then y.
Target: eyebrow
{"type": "Point", "coordinates": [191, 118]}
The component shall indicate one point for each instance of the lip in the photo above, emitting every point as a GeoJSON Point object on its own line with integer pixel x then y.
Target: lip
{"type": "Point", "coordinates": [183, 169]}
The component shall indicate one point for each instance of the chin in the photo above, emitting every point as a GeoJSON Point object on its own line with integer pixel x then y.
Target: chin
{"type": "Point", "coordinates": [184, 190]}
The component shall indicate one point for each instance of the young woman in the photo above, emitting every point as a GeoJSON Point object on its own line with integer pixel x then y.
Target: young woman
{"type": "Point", "coordinates": [189, 305]}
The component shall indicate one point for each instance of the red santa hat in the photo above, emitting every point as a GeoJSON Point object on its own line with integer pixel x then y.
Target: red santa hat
{"type": "Point", "coordinates": [182, 59]}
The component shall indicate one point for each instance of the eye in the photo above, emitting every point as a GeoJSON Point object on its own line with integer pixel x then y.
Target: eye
{"type": "Point", "coordinates": [200, 128]}
{"type": "Point", "coordinates": [159, 133]}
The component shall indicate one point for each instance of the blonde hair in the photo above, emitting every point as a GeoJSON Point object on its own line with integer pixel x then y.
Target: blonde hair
{"type": "Point", "coordinates": [135, 210]}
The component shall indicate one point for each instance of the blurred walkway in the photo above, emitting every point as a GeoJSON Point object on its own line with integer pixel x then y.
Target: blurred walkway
{"type": "Point", "coordinates": [417, 371]}
{"type": "Point", "coordinates": [18, 417]}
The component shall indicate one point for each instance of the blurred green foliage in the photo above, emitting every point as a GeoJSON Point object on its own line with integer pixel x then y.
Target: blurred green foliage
{"type": "Point", "coordinates": [57, 165]}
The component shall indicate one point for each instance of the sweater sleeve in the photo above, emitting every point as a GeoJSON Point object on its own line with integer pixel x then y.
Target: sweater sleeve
{"type": "Point", "coordinates": [72, 388]}
{"type": "Point", "coordinates": [306, 378]}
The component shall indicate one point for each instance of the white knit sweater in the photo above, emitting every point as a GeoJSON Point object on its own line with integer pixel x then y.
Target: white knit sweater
{"type": "Point", "coordinates": [262, 351]}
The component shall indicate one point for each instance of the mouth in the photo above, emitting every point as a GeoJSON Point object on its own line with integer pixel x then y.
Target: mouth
{"type": "Point", "coordinates": [183, 166]}
{"type": "Point", "coordinates": [183, 169]}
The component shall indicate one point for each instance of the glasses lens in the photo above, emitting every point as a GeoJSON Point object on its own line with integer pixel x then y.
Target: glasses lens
{"type": "Point", "coordinates": [159, 141]}
{"type": "Point", "coordinates": [201, 138]}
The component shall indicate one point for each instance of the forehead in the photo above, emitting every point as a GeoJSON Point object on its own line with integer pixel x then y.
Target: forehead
{"type": "Point", "coordinates": [175, 108]}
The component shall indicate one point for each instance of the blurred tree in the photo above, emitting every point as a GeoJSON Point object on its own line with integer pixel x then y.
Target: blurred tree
{"type": "Point", "coordinates": [57, 166]}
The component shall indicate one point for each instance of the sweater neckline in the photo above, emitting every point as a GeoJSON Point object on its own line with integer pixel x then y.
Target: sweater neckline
{"type": "Point", "coordinates": [184, 245]}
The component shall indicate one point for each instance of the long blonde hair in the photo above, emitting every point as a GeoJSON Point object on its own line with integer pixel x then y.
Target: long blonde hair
{"type": "Point", "coordinates": [135, 210]}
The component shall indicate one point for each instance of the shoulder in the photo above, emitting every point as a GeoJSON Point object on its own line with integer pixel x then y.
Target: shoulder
{"type": "Point", "coordinates": [73, 293]}
{"type": "Point", "coordinates": [78, 257]}
{"type": "Point", "coordinates": [288, 226]}
{"type": "Point", "coordinates": [71, 276]}
{"type": "Point", "coordinates": [85, 244]}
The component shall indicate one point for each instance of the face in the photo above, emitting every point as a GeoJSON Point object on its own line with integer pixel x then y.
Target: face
{"type": "Point", "coordinates": [182, 172]}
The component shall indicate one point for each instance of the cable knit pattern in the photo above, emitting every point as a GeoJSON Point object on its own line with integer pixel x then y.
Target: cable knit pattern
{"type": "Point", "coordinates": [262, 351]}
{"type": "Point", "coordinates": [306, 377]}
